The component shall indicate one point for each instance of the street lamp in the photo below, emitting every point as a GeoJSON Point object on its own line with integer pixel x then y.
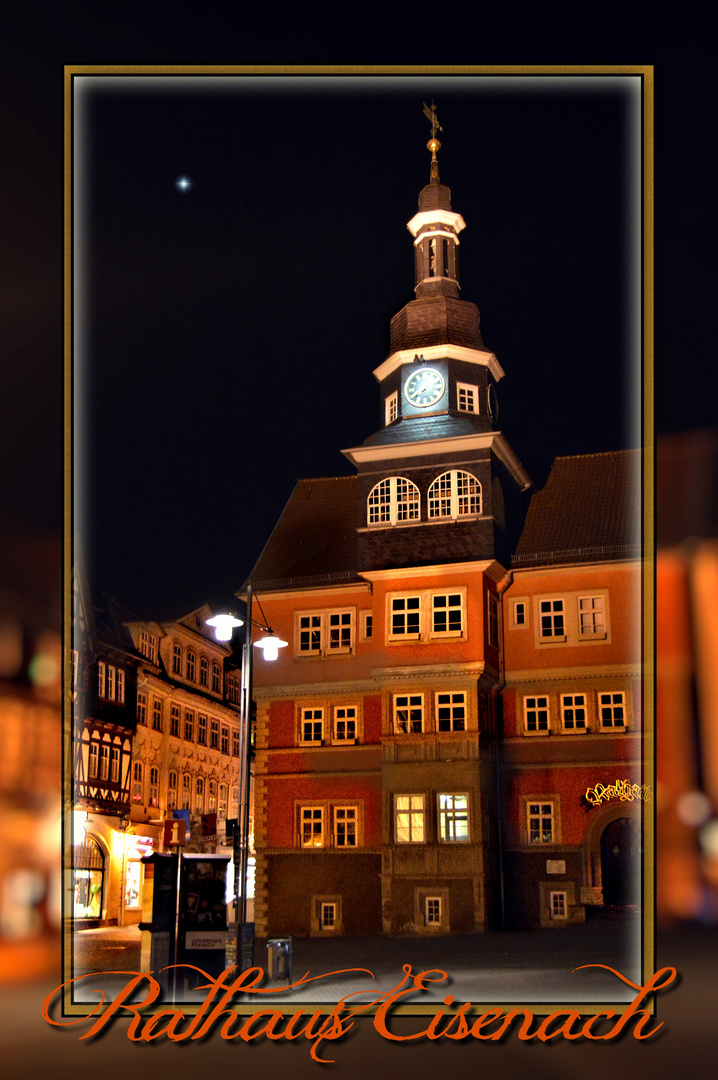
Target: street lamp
{"type": "Point", "coordinates": [224, 626]}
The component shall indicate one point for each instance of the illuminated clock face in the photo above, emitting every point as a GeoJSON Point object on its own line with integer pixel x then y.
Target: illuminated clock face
{"type": "Point", "coordinates": [424, 387]}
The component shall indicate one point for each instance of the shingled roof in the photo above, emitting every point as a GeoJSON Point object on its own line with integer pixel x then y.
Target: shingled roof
{"type": "Point", "coordinates": [314, 541]}
{"type": "Point", "coordinates": [589, 510]}
{"type": "Point", "coordinates": [416, 428]}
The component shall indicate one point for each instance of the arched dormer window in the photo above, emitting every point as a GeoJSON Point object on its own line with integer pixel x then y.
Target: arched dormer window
{"type": "Point", "coordinates": [454, 494]}
{"type": "Point", "coordinates": [394, 501]}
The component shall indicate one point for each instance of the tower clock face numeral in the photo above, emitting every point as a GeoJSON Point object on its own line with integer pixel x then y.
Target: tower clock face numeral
{"type": "Point", "coordinates": [424, 387]}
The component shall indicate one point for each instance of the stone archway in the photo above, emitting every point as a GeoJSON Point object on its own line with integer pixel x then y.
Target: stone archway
{"type": "Point", "coordinates": [621, 858]}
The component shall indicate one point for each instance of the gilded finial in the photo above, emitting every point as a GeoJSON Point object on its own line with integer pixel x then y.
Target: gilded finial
{"type": "Point", "coordinates": [433, 143]}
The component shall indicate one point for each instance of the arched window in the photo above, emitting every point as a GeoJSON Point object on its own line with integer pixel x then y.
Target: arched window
{"type": "Point", "coordinates": [394, 501]}
{"type": "Point", "coordinates": [154, 786]}
{"type": "Point", "coordinates": [172, 790]}
{"type": "Point", "coordinates": [212, 802]}
{"type": "Point", "coordinates": [216, 684]}
{"type": "Point", "coordinates": [204, 671]}
{"type": "Point", "coordinates": [454, 494]}
{"type": "Point", "coordinates": [137, 782]}
{"type": "Point", "coordinates": [88, 866]}
{"type": "Point", "coordinates": [222, 801]}
{"type": "Point", "coordinates": [199, 790]}
{"type": "Point", "coordinates": [176, 659]}
{"type": "Point", "coordinates": [186, 790]}
{"type": "Point", "coordinates": [190, 665]}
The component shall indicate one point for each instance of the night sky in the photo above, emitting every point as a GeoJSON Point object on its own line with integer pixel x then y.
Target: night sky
{"type": "Point", "coordinates": [225, 336]}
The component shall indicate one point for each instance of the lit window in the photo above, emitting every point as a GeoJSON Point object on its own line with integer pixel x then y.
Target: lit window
{"type": "Point", "coordinates": [171, 790]}
{"type": "Point", "coordinates": [204, 671]}
{"type": "Point", "coordinates": [224, 743]}
{"type": "Point", "coordinates": [137, 782]}
{"type": "Point", "coordinates": [176, 659]}
{"type": "Point", "coordinates": [142, 708]}
{"type": "Point", "coordinates": [391, 405]}
{"type": "Point", "coordinates": [154, 786]}
{"type": "Point", "coordinates": [214, 734]}
{"type": "Point", "coordinates": [536, 714]}
{"type": "Point", "coordinates": [312, 726]}
{"type": "Point", "coordinates": [557, 904]}
{"type": "Point", "coordinates": [212, 803]}
{"type": "Point", "coordinates": [324, 633]}
{"type": "Point", "coordinates": [104, 762]}
{"type": "Point", "coordinates": [110, 682]}
{"type": "Point", "coordinates": [157, 714]}
{"type": "Point", "coordinates": [115, 765]}
{"type": "Point", "coordinates": [591, 617]}
{"type": "Point", "coordinates": [216, 679]}
{"type": "Point", "coordinates": [467, 397]}
{"type": "Point", "coordinates": [408, 713]}
{"type": "Point", "coordinates": [432, 910]}
{"type": "Point", "coordinates": [311, 826]}
{"type": "Point", "coordinates": [345, 723]}
{"type": "Point", "coordinates": [409, 819]}
{"type": "Point", "coordinates": [540, 822]}
{"type": "Point", "coordinates": [573, 712]}
{"type": "Point", "coordinates": [202, 730]}
{"type": "Point", "coordinates": [394, 501]}
{"type": "Point", "coordinates": [454, 494]}
{"type": "Point", "coordinates": [451, 711]}
{"type": "Point", "coordinates": [327, 915]}
{"type": "Point", "coordinates": [553, 627]}
{"type": "Point", "coordinates": [453, 818]}
{"type": "Point", "coordinates": [612, 710]}
{"type": "Point", "coordinates": [189, 725]}
{"type": "Point", "coordinates": [222, 801]}
{"type": "Point", "coordinates": [199, 795]}
{"type": "Point", "coordinates": [426, 615]}
{"type": "Point", "coordinates": [93, 764]}
{"type": "Point", "coordinates": [186, 790]}
{"type": "Point", "coordinates": [175, 721]}
{"type": "Point", "coordinates": [190, 665]}
{"type": "Point", "coordinates": [345, 826]}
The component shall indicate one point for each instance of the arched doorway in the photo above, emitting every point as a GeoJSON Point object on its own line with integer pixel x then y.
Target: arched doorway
{"type": "Point", "coordinates": [88, 864]}
{"type": "Point", "coordinates": [621, 862]}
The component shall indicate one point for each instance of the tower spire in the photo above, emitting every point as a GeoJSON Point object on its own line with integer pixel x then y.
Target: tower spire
{"type": "Point", "coordinates": [433, 143]}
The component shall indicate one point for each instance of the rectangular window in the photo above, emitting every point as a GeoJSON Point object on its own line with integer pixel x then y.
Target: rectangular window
{"type": "Point", "coordinates": [157, 714]}
{"type": "Point", "coordinates": [591, 617]}
{"type": "Point", "coordinates": [101, 679]}
{"type": "Point", "coordinates": [111, 682]}
{"type": "Point", "coordinates": [214, 734]}
{"type": "Point", "coordinates": [203, 671]}
{"type": "Point", "coordinates": [553, 627]}
{"type": "Point", "coordinates": [137, 782]}
{"type": "Point", "coordinates": [540, 822]}
{"type": "Point", "coordinates": [391, 405]}
{"type": "Point", "coordinates": [171, 790]}
{"type": "Point", "coordinates": [176, 659]}
{"type": "Point", "coordinates": [327, 915]}
{"type": "Point", "coordinates": [154, 786]}
{"type": "Point", "coordinates": [345, 723]}
{"type": "Point", "coordinates": [186, 790]}
{"type": "Point", "coordinates": [190, 666]}
{"type": "Point", "coordinates": [94, 761]}
{"type": "Point", "coordinates": [573, 712]}
{"type": "Point", "coordinates": [148, 645]}
{"type": "Point", "coordinates": [115, 765]}
{"type": "Point", "coordinates": [345, 826]}
{"type": "Point", "coordinates": [366, 625]}
{"type": "Point", "coordinates": [557, 903]}
{"type": "Point", "coordinates": [175, 721]}
{"type": "Point", "coordinates": [202, 730]}
{"type": "Point", "coordinates": [224, 742]}
{"type": "Point", "coordinates": [451, 711]}
{"type": "Point", "coordinates": [216, 681]}
{"type": "Point", "coordinates": [405, 616]}
{"type": "Point", "coordinates": [324, 633]}
{"type": "Point", "coordinates": [432, 910]}
{"type": "Point", "coordinates": [536, 714]}
{"type": "Point", "coordinates": [409, 819]}
{"type": "Point", "coordinates": [120, 687]}
{"type": "Point", "coordinates": [447, 614]}
{"type": "Point", "coordinates": [519, 613]}
{"type": "Point", "coordinates": [426, 616]}
{"type": "Point", "coordinates": [142, 708]}
{"type": "Point", "coordinates": [467, 397]}
{"type": "Point", "coordinates": [104, 762]}
{"type": "Point", "coordinates": [311, 826]}
{"type": "Point", "coordinates": [199, 795]}
{"type": "Point", "coordinates": [312, 726]}
{"type": "Point", "coordinates": [189, 725]}
{"type": "Point", "coordinates": [612, 710]}
{"type": "Point", "coordinates": [408, 713]}
{"type": "Point", "coordinates": [453, 818]}
{"type": "Point", "coordinates": [235, 744]}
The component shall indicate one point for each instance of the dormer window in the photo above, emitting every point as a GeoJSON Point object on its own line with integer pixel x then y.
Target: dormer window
{"type": "Point", "coordinates": [455, 494]}
{"type": "Point", "coordinates": [394, 501]}
{"type": "Point", "coordinates": [467, 398]}
{"type": "Point", "coordinates": [391, 408]}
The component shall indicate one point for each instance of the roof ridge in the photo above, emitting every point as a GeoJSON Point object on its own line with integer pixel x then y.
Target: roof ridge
{"type": "Point", "coordinates": [598, 453]}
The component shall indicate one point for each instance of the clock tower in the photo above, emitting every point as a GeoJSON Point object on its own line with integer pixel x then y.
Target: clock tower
{"type": "Point", "coordinates": [439, 458]}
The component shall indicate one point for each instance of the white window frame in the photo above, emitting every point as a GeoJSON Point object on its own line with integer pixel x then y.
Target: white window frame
{"type": "Point", "coordinates": [570, 704]}
{"type": "Point", "coordinates": [432, 911]}
{"type": "Point", "coordinates": [366, 625]}
{"type": "Point", "coordinates": [413, 616]}
{"type": "Point", "coordinates": [520, 613]}
{"type": "Point", "coordinates": [470, 394]}
{"type": "Point", "coordinates": [313, 716]}
{"type": "Point", "coordinates": [104, 761]}
{"type": "Point", "coordinates": [592, 617]}
{"type": "Point", "coordinates": [453, 704]}
{"type": "Point", "coordinates": [409, 819]}
{"type": "Point", "coordinates": [446, 498]}
{"type": "Point", "coordinates": [391, 408]}
{"type": "Point", "coordinates": [453, 811]}
{"type": "Point", "coordinates": [536, 704]}
{"type": "Point", "coordinates": [115, 757]}
{"type": "Point", "coordinates": [558, 904]}
{"type": "Point", "coordinates": [327, 914]}
{"type": "Point", "coordinates": [345, 823]}
{"type": "Point", "coordinates": [552, 619]}
{"type": "Point", "coordinates": [612, 700]}
{"type": "Point", "coordinates": [395, 500]}
{"type": "Point", "coordinates": [346, 724]}
{"type": "Point", "coordinates": [331, 632]}
{"type": "Point", "coordinates": [405, 707]}
{"type": "Point", "coordinates": [540, 811]}
{"type": "Point", "coordinates": [314, 815]}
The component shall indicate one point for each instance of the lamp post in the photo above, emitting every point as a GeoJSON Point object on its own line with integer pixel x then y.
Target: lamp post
{"type": "Point", "coordinates": [224, 626]}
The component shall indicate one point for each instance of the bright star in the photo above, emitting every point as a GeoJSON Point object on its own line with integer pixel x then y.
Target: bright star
{"type": "Point", "coordinates": [183, 184]}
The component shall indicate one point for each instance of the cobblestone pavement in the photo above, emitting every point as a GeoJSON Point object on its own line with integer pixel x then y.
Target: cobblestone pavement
{"type": "Point", "coordinates": [499, 967]}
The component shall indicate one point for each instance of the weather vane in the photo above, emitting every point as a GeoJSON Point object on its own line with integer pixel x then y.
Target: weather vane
{"type": "Point", "coordinates": [433, 143]}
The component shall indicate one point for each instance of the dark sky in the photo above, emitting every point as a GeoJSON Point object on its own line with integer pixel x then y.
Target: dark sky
{"type": "Point", "coordinates": [226, 336]}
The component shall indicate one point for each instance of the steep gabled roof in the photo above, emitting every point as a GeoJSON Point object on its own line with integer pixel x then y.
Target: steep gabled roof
{"type": "Point", "coordinates": [589, 510]}
{"type": "Point", "coordinates": [315, 538]}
